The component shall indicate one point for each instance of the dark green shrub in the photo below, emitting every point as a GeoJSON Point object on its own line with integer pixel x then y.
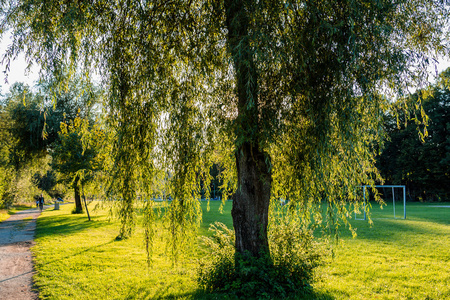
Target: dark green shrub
{"type": "Point", "coordinates": [288, 271]}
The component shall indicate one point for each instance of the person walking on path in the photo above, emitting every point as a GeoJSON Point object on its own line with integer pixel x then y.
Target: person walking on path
{"type": "Point", "coordinates": [41, 203]}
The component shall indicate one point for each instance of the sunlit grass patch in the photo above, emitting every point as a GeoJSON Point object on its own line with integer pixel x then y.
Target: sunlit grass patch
{"type": "Point", "coordinates": [393, 259]}
{"type": "Point", "coordinates": [6, 213]}
{"type": "Point", "coordinates": [78, 259]}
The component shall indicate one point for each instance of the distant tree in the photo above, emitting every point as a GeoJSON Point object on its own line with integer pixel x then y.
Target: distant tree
{"type": "Point", "coordinates": [5, 141]}
{"type": "Point", "coordinates": [20, 145]}
{"type": "Point", "coordinates": [422, 164]}
{"type": "Point", "coordinates": [31, 120]}
{"type": "Point", "coordinates": [47, 183]}
{"type": "Point", "coordinates": [76, 156]}
{"type": "Point", "coordinates": [36, 115]}
{"type": "Point", "coordinates": [26, 112]}
{"type": "Point", "coordinates": [44, 182]}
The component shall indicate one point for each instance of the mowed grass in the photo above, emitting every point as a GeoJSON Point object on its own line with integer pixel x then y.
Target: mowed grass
{"type": "Point", "coordinates": [78, 259]}
{"type": "Point", "coordinates": [6, 213]}
{"type": "Point", "coordinates": [393, 259]}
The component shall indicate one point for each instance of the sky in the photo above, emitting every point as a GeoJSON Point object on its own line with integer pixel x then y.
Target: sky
{"type": "Point", "coordinates": [17, 71]}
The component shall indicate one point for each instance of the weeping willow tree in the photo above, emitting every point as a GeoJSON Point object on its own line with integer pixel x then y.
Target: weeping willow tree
{"type": "Point", "coordinates": [285, 94]}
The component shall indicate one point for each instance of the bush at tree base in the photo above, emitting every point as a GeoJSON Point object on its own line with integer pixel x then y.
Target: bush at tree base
{"type": "Point", "coordinates": [287, 271]}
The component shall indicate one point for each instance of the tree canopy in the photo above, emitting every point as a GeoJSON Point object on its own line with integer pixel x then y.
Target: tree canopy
{"type": "Point", "coordinates": [76, 157]}
{"type": "Point", "coordinates": [286, 94]}
{"type": "Point", "coordinates": [35, 115]}
{"type": "Point", "coordinates": [30, 125]}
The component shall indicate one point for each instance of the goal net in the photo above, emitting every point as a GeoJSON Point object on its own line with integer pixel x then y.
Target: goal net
{"type": "Point", "coordinates": [394, 193]}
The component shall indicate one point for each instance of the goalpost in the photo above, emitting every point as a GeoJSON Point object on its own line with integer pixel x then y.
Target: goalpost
{"type": "Point", "coordinates": [393, 198]}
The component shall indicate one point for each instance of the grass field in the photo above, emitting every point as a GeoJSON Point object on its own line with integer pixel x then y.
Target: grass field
{"type": "Point", "coordinates": [394, 259]}
{"type": "Point", "coordinates": [6, 213]}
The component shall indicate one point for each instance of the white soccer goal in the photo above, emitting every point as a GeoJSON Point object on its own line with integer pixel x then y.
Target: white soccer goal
{"type": "Point", "coordinates": [393, 187]}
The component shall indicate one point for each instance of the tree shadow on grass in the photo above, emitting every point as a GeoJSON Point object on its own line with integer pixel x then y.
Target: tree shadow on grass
{"type": "Point", "coordinates": [391, 230]}
{"type": "Point", "coordinates": [64, 224]}
{"type": "Point", "coordinates": [437, 215]}
{"type": "Point", "coordinates": [72, 255]}
{"type": "Point", "coordinates": [424, 212]}
{"type": "Point", "coordinates": [164, 294]}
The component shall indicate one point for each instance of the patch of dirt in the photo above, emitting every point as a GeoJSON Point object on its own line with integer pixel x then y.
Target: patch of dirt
{"type": "Point", "coordinates": [16, 261]}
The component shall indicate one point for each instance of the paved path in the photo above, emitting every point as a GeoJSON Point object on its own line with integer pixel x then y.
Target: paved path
{"type": "Point", "coordinates": [16, 263]}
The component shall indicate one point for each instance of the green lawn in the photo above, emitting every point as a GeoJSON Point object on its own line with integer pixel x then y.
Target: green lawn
{"type": "Point", "coordinates": [394, 259]}
{"type": "Point", "coordinates": [78, 259]}
{"type": "Point", "coordinates": [6, 213]}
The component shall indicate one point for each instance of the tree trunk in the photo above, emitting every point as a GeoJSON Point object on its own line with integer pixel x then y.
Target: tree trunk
{"type": "Point", "coordinates": [85, 203]}
{"type": "Point", "coordinates": [251, 203]}
{"type": "Point", "coordinates": [78, 205]}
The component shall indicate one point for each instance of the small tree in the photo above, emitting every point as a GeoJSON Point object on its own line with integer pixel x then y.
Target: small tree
{"type": "Point", "coordinates": [29, 125]}
{"type": "Point", "coordinates": [75, 158]}
{"type": "Point", "coordinates": [48, 183]}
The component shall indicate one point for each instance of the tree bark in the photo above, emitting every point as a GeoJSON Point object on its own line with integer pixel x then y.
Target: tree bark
{"type": "Point", "coordinates": [251, 202]}
{"type": "Point", "coordinates": [78, 204]}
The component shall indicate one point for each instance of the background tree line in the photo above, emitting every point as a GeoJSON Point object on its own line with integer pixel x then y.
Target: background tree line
{"type": "Point", "coordinates": [422, 163]}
